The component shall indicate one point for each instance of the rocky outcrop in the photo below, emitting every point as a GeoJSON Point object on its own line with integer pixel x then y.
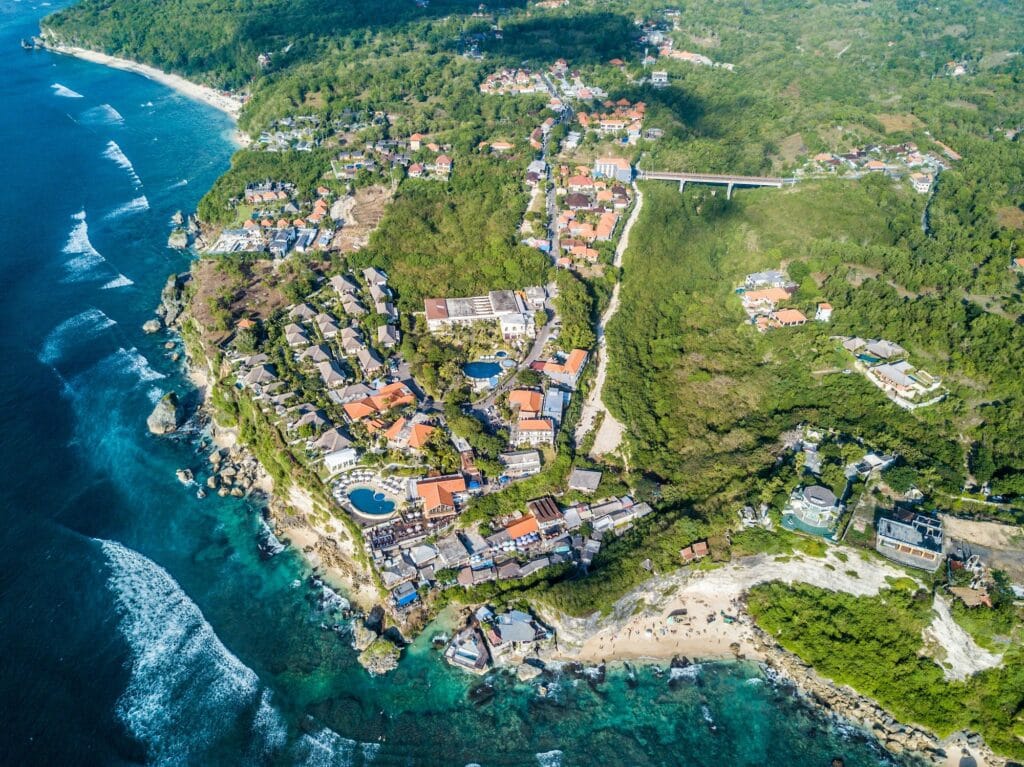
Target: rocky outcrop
{"type": "Point", "coordinates": [178, 239]}
{"type": "Point", "coordinates": [362, 637]}
{"type": "Point", "coordinates": [172, 299]}
{"type": "Point", "coordinates": [151, 326]}
{"type": "Point", "coordinates": [166, 416]}
{"type": "Point", "coordinates": [380, 657]}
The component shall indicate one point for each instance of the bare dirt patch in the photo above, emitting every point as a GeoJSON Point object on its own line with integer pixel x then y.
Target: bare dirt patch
{"type": "Point", "coordinates": [254, 295]}
{"type": "Point", "coordinates": [361, 214]}
{"type": "Point", "coordinates": [894, 123]}
{"type": "Point", "coordinates": [790, 148]}
{"type": "Point", "coordinates": [1010, 217]}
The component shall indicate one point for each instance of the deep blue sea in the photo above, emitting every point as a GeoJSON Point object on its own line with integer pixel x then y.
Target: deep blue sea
{"type": "Point", "coordinates": [139, 624]}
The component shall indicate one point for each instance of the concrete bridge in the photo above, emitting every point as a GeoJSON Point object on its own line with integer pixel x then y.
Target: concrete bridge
{"type": "Point", "coordinates": [729, 182]}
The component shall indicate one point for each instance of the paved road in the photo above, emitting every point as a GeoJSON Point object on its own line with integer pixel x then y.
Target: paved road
{"type": "Point", "coordinates": [609, 436]}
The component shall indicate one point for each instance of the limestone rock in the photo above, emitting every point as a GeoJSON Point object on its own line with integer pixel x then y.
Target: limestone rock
{"type": "Point", "coordinates": [166, 416]}
{"type": "Point", "coordinates": [151, 326]}
{"type": "Point", "coordinates": [526, 671]}
{"type": "Point", "coordinates": [380, 657]}
{"type": "Point", "coordinates": [178, 239]}
{"type": "Point", "coordinates": [362, 637]}
{"type": "Point", "coordinates": [184, 476]}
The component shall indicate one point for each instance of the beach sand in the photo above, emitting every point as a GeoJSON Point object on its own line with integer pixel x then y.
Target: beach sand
{"type": "Point", "coordinates": [225, 102]}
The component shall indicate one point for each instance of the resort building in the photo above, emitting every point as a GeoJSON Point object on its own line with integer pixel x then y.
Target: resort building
{"type": "Point", "coordinates": [617, 168]}
{"type": "Point", "coordinates": [441, 496]}
{"type": "Point", "coordinates": [566, 372]}
{"type": "Point", "coordinates": [520, 463]}
{"type": "Point", "coordinates": [503, 306]}
{"type": "Point", "coordinates": [910, 538]}
{"type": "Point", "coordinates": [533, 431]}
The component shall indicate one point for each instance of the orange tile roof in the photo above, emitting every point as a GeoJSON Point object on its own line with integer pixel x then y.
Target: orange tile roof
{"type": "Point", "coordinates": [440, 491]}
{"type": "Point", "coordinates": [526, 399]}
{"type": "Point", "coordinates": [395, 429]}
{"type": "Point", "coordinates": [577, 358]}
{"type": "Point", "coordinates": [534, 424]}
{"type": "Point", "coordinates": [767, 294]}
{"type": "Point", "coordinates": [419, 435]}
{"type": "Point", "coordinates": [787, 316]}
{"type": "Point", "coordinates": [522, 527]}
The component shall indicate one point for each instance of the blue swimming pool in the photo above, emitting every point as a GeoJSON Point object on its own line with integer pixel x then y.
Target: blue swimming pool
{"type": "Point", "coordinates": [371, 502]}
{"type": "Point", "coordinates": [481, 370]}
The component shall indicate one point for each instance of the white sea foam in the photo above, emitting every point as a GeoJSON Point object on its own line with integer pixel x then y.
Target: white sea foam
{"type": "Point", "coordinates": [549, 758]}
{"type": "Point", "coordinates": [65, 92]}
{"type": "Point", "coordinates": [132, 362]}
{"type": "Point", "coordinates": [85, 256]}
{"type": "Point", "coordinates": [114, 153]}
{"type": "Point", "coordinates": [104, 114]}
{"type": "Point", "coordinates": [83, 326]}
{"type": "Point", "coordinates": [178, 184]}
{"type": "Point", "coordinates": [370, 751]}
{"type": "Point", "coordinates": [137, 205]}
{"type": "Point", "coordinates": [325, 748]}
{"type": "Point", "coordinates": [687, 672]}
{"type": "Point", "coordinates": [120, 281]}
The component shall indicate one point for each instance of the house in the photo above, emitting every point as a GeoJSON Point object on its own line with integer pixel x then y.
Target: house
{"type": "Point", "coordinates": [693, 552]}
{"type": "Point", "coordinates": [922, 182]}
{"type": "Point", "coordinates": [330, 374]}
{"type": "Point", "coordinates": [416, 170]}
{"type": "Point", "coordinates": [440, 495]}
{"type": "Point", "coordinates": [295, 335]}
{"type": "Point", "coordinates": [769, 279]}
{"type": "Point", "coordinates": [333, 440]}
{"type": "Point", "coordinates": [387, 336]}
{"type": "Point", "coordinates": [523, 531]}
{"type": "Point", "coordinates": [910, 538]}
{"type": "Point", "coordinates": [568, 372]}
{"type": "Point", "coordinates": [824, 312]}
{"type": "Point", "coordinates": [554, 402]}
{"type": "Point", "coordinates": [404, 594]}
{"type": "Point", "coordinates": [409, 434]}
{"type": "Point", "coordinates": [533, 431]}
{"type": "Point", "coordinates": [467, 650]}
{"type": "Point", "coordinates": [617, 168]}
{"type": "Point", "coordinates": [416, 141]}
{"type": "Point", "coordinates": [344, 285]}
{"type": "Point", "coordinates": [546, 512]}
{"type": "Point", "coordinates": [520, 463]}
{"type": "Point", "coordinates": [443, 165]}
{"type": "Point", "coordinates": [815, 506]}
{"type": "Point", "coordinates": [259, 376]}
{"type": "Point", "coordinates": [788, 318]}
{"type": "Point", "coordinates": [451, 551]}
{"type": "Point", "coordinates": [316, 354]}
{"type": "Point", "coordinates": [375, 277]}
{"type": "Point", "coordinates": [369, 361]}
{"type": "Point", "coordinates": [337, 460]}
{"type": "Point", "coordinates": [327, 325]}
{"type": "Point", "coordinates": [577, 201]}
{"type": "Point", "coordinates": [763, 299]}
{"type": "Point", "coordinates": [584, 480]}
{"type": "Point", "coordinates": [659, 79]}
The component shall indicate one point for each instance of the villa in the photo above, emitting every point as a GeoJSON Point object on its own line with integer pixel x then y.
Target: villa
{"type": "Point", "coordinates": [533, 432]}
{"type": "Point", "coordinates": [568, 372]}
{"type": "Point", "coordinates": [520, 463]}
{"type": "Point", "coordinates": [910, 538]}
{"type": "Point", "coordinates": [441, 496]}
{"type": "Point", "coordinates": [815, 507]}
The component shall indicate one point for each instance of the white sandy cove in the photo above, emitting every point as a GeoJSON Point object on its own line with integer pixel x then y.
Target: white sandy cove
{"type": "Point", "coordinates": [225, 102]}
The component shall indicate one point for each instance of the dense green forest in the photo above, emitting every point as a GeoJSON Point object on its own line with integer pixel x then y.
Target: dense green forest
{"type": "Point", "coordinates": [874, 644]}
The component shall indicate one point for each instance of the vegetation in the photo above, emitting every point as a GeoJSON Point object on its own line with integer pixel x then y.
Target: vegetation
{"type": "Point", "coordinates": [874, 644]}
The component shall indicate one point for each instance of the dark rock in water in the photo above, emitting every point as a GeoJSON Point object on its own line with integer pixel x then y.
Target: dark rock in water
{"type": "Point", "coordinates": [680, 661]}
{"type": "Point", "coordinates": [375, 620]}
{"type": "Point", "coordinates": [838, 762]}
{"type": "Point", "coordinates": [482, 694]}
{"type": "Point", "coordinates": [166, 416]}
{"type": "Point", "coordinates": [631, 681]}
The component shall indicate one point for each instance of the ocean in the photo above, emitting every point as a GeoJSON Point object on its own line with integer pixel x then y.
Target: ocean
{"type": "Point", "coordinates": [140, 624]}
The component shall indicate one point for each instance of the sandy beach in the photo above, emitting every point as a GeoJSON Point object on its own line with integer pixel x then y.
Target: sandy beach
{"type": "Point", "coordinates": [225, 102]}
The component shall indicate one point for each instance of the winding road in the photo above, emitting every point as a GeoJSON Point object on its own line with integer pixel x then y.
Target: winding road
{"type": "Point", "coordinates": [609, 435]}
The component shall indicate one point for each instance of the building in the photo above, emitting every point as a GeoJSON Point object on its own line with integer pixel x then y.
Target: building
{"type": "Point", "coordinates": [337, 460]}
{"type": "Point", "coordinates": [441, 496]}
{"type": "Point", "coordinates": [815, 506]}
{"type": "Point", "coordinates": [533, 432]}
{"type": "Point", "coordinates": [584, 480]}
{"type": "Point", "coordinates": [659, 79]}
{"type": "Point", "coordinates": [546, 512]}
{"type": "Point", "coordinates": [520, 463]}
{"type": "Point", "coordinates": [910, 538]}
{"type": "Point", "coordinates": [922, 182]}
{"type": "Point", "coordinates": [568, 372]}
{"type": "Point", "coordinates": [617, 168]}
{"type": "Point", "coordinates": [824, 312]}
{"type": "Point", "coordinates": [504, 306]}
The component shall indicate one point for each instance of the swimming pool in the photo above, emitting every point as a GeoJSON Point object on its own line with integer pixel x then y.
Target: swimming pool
{"type": "Point", "coordinates": [371, 502]}
{"type": "Point", "coordinates": [481, 370]}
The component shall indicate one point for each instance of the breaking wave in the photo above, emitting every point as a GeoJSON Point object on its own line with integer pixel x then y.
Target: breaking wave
{"type": "Point", "coordinates": [132, 362]}
{"type": "Point", "coordinates": [104, 114]}
{"type": "Point", "coordinates": [65, 92]}
{"type": "Point", "coordinates": [86, 325]}
{"type": "Point", "coordinates": [85, 256]}
{"type": "Point", "coordinates": [120, 281]}
{"type": "Point", "coordinates": [189, 699]}
{"type": "Point", "coordinates": [114, 153]}
{"type": "Point", "coordinates": [549, 758]}
{"type": "Point", "coordinates": [137, 205]}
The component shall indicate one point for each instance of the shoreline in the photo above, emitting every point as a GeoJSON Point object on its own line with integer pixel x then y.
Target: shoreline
{"type": "Point", "coordinates": [225, 102]}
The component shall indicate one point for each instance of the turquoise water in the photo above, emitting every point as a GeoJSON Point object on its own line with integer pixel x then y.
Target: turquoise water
{"type": "Point", "coordinates": [371, 502]}
{"type": "Point", "coordinates": [481, 369]}
{"type": "Point", "coordinates": [141, 625]}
